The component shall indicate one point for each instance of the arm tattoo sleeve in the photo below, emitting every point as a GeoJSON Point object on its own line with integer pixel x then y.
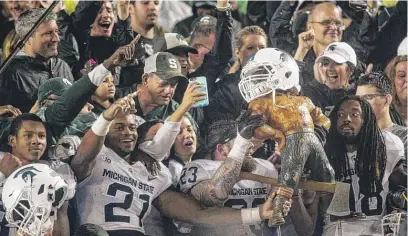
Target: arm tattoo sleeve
{"type": "Point", "coordinates": [214, 192]}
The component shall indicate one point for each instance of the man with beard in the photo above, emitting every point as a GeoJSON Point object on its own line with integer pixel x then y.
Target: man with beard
{"type": "Point", "coordinates": [28, 142]}
{"type": "Point", "coordinates": [36, 63]}
{"type": "Point", "coordinates": [366, 158]}
{"type": "Point", "coordinates": [215, 182]}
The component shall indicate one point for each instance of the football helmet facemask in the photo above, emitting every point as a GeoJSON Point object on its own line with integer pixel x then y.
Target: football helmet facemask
{"type": "Point", "coordinates": [31, 195]}
{"type": "Point", "coordinates": [268, 70]}
{"type": "Point", "coordinates": [394, 224]}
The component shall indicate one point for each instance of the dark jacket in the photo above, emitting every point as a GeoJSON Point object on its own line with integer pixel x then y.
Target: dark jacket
{"type": "Point", "coordinates": [97, 48]}
{"type": "Point", "coordinates": [63, 116]}
{"type": "Point", "coordinates": [20, 81]}
{"type": "Point", "coordinates": [68, 47]}
{"type": "Point", "coordinates": [226, 102]}
{"type": "Point", "coordinates": [216, 60]}
{"type": "Point", "coordinates": [324, 97]}
{"type": "Point", "coordinates": [184, 27]}
{"type": "Point", "coordinates": [390, 36]}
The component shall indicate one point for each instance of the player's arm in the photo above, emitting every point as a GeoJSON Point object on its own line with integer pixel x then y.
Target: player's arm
{"type": "Point", "coordinates": [182, 207]}
{"type": "Point", "coordinates": [84, 160]}
{"type": "Point", "coordinates": [216, 190]}
{"type": "Point", "coordinates": [61, 224]}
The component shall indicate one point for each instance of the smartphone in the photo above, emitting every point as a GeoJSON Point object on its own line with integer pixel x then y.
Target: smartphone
{"type": "Point", "coordinates": [202, 81]}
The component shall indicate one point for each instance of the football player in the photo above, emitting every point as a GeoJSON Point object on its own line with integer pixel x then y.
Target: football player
{"type": "Point", "coordinates": [215, 182]}
{"type": "Point", "coordinates": [369, 159]}
{"type": "Point", "coordinates": [117, 195]}
{"type": "Point", "coordinates": [28, 141]}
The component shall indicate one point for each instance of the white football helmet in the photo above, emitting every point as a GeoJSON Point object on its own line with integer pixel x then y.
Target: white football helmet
{"type": "Point", "coordinates": [394, 224]}
{"type": "Point", "coordinates": [270, 69]}
{"type": "Point", "coordinates": [30, 196]}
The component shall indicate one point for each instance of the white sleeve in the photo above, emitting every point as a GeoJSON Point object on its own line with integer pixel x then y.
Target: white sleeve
{"type": "Point", "coordinates": [162, 141]}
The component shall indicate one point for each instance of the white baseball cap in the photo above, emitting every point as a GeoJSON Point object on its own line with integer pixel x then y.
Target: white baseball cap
{"type": "Point", "coordinates": [402, 48]}
{"type": "Point", "coordinates": [172, 42]}
{"type": "Point", "coordinates": [339, 52]}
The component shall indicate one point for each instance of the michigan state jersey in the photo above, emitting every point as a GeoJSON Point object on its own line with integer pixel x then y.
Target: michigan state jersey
{"type": "Point", "coordinates": [374, 207]}
{"type": "Point", "coordinates": [245, 193]}
{"type": "Point", "coordinates": [62, 169]}
{"type": "Point", "coordinates": [117, 195]}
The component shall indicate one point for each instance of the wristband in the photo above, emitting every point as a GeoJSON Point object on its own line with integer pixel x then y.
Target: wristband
{"type": "Point", "coordinates": [250, 216]}
{"type": "Point", "coordinates": [101, 126]}
{"type": "Point", "coordinates": [239, 148]}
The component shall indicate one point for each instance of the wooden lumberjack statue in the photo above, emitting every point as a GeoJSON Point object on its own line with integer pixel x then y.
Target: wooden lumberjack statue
{"type": "Point", "coordinates": [267, 84]}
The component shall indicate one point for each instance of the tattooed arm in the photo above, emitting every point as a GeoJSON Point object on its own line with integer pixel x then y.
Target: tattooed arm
{"type": "Point", "coordinates": [215, 191]}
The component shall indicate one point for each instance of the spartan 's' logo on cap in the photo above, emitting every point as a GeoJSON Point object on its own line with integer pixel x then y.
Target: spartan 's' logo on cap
{"type": "Point", "coordinates": [332, 47]}
{"type": "Point", "coordinates": [180, 37]}
{"type": "Point", "coordinates": [27, 173]}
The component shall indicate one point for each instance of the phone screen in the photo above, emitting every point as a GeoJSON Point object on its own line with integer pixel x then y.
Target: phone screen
{"type": "Point", "coordinates": [203, 81]}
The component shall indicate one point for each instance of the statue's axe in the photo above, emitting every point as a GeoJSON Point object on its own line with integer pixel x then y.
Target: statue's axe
{"type": "Point", "coordinates": [339, 205]}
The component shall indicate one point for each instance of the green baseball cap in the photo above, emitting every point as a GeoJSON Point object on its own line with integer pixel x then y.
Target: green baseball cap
{"type": "Point", "coordinates": [165, 65]}
{"type": "Point", "coordinates": [56, 86]}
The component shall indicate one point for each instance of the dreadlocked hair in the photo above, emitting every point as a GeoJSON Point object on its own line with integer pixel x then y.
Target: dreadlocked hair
{"type": "Point", "coordinates": [144, 128]}
{"type": "Point", "coordinates": [371, 151]}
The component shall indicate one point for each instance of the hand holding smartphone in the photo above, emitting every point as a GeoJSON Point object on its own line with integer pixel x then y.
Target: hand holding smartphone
{"type": "Point", "coordinates": [203, 82]}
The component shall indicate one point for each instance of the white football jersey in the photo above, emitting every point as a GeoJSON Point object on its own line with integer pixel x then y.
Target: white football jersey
{"type": "Point", "coordinates": [245, 193]}
{"type": "Point", "coordinates": [117, 195]}
{"type": "Point", "coordinates": [175, 168]}
{"type": "Point", "coordinates": [373, 207]}
{"type": "Point", "coordinates": [66, 173]}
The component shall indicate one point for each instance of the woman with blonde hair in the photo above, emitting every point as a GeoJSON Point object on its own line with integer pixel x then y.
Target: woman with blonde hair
{"type": "Point", "coordinates": [9, 44]}
{"type": "Point", "coordinates": [396, 70]}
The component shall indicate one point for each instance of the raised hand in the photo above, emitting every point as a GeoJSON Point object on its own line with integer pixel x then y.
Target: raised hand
{"type": "Point", "coordinates": [192, 95]}
{"type": "Point", "coordinates": [248, 124]}
{"type": "Point", "coordinates": [123, 56]}
{"type": "Point", "coordinates": [121, 107]}
{"type": "Point", "coordinates": [306, 40]}
{"type": "Point", "coordinates": [8, 112]}
{"type": "Point", "coordinates": [8, 164]}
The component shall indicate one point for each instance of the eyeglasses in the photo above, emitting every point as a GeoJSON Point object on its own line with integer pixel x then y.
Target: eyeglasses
{"type": "Point", "coordinates": [327, 23]}
{"type": "Point", "coordinates": [197, 46]}
{"type": "Point", "coordinates": [371, 96]}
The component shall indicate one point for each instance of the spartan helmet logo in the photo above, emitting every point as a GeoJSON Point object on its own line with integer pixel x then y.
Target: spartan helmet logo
{"type": "Point", "coordinates": [284, 57]}
{"type": "Point", "coordinates": [332, 47]}
{"type": "Point", "coordinates": [27, 173]}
